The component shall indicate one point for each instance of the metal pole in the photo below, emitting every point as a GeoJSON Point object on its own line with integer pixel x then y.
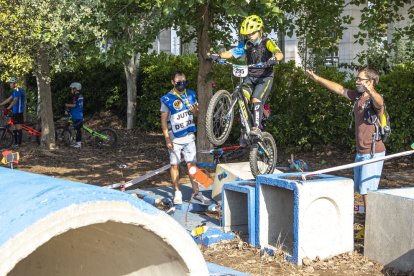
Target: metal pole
{"type": "Point", "coordinates": [357, 164]}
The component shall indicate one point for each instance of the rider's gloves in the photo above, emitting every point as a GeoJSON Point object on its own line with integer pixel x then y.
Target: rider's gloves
{"type": "Point", "coordinates": [272, 61]}
{"type": "Point", "coordinates": [215, 57]}
{"type": "Point", "coordinates": [5, 111]}
{"type": "Point", "coordinates": [238, 51]}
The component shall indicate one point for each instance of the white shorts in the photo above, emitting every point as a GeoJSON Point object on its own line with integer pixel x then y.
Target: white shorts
{"type": "Point", "coordinates": [188, 151]}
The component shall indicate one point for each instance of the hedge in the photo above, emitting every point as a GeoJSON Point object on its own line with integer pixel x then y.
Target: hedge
{"type": "Point", "coordinates": [304, 113]}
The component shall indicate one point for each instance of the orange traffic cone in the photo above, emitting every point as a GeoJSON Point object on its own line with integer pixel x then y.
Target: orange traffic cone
{"type": "Point", "coordinates": [199, 176]}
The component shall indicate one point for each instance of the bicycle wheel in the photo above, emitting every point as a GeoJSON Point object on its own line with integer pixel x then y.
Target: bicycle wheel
{"type": "Point", "coordinates": [6, 138]}
{"type": "Point", "coordinates": [106, 138]}
{"type": "Point", "coordinates": [218, 124]}
{"type": "Point", "coordinates": [63, 136]}
{"type": "Point", "coordinates": [263, 155]}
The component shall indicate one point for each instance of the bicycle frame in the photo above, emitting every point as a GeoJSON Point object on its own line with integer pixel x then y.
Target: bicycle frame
{"type": "Point", "coordinates": [94, 133]}
{"type": "Point", "coordinates": [91, 131]}
{"type": "Point", "coordinates": [246, 116]}
{"type": "Point", "coordinates": [28, 129]}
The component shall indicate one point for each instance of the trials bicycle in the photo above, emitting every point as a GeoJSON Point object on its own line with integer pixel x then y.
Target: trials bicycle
{"type": "Point", "coordinates": [220, 116]}
{"type": "Point", "coordinates": [6, 135]}
{"type": "Point", "coordinates": [102, 138]}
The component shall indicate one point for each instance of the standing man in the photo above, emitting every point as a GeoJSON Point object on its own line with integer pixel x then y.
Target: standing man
{"type": "Point", "coordinates": [16, 101]}
{"type": "Point", "coordinates": [368, 107]}
{"type": "Point", "coordinates": [178, 110]}
{"type": "Point", "coordinates": [75, 108]}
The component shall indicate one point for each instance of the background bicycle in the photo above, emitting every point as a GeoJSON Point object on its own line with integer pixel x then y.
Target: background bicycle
{"type": "Point", "coordinates": [30, 133]}
{"type": "Point", "coordinates": [102, 138]}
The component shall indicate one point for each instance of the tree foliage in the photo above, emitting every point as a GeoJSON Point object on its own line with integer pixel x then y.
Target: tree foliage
{"type": "Point", "coordinates": [378, 18]}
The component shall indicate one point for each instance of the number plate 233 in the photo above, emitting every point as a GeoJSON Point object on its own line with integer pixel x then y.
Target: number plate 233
{"type": "Point", "coordinates": [240, 71]}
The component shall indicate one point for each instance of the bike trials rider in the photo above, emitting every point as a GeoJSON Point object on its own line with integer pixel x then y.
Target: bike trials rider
{"type": "Point", "coordinates": [258, 49]}
{"type": "Point", "coordinates": [16, 101]}
{"type": "Point", "coordinates": [75, 108]}
{"type": "Point", "coordinates": [178, 110]}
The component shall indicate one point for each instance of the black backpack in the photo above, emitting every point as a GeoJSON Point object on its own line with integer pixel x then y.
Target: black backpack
{"type": "Point", "coordinates": [382, 126]}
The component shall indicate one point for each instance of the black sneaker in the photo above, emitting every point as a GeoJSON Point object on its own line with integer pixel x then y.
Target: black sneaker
{"type": "Point", "coordinates": [15, 146]}
{"type": "Point", "coordinates": [199, 198]}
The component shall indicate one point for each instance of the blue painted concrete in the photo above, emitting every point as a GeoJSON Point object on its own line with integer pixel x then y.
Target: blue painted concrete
{"type": "Point", "coordinates": [279, 180]}
{"type": "Point", "coordinates": [151, 195]}
{"type": "Point", "coordinates": [186, 215]}
{"type": "Point", "coordinates": [25, 198]}
{"type": "Point", "coordinates": [212, 236]}
{"type": "Point", "coordinates": [246, 187]}
{"type": "Point", "coordinates": [218, 270]}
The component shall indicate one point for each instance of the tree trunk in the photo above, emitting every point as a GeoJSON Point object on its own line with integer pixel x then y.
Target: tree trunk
{"type": "Point", "coordinates": [131, 73]}
{"type": "Point", "coordinates": [2, 91]}
{"type": "Point", "coordinates": [45, 97]}
{"type": "Point", "coordinates": [204, 90]}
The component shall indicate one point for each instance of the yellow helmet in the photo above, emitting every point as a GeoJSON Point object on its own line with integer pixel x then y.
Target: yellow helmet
{"type": "Point", "coordinates": [251, 24]}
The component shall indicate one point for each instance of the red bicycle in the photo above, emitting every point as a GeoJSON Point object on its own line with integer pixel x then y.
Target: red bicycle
{"type": "Point", "coordinates": [6, 135]}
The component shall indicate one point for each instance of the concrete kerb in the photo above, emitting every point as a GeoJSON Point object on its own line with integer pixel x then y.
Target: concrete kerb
{"type": "Point", "coordinates": [304, 218]}
{"type": "Point", "coordinates": [59, 226]}
{"type": "Point", "coordinates": [389, 224]}
{"type": "Point", "coordinates": [239, 210]}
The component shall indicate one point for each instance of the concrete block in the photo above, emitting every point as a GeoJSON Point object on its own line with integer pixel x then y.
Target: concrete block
{"type": "Point", "coordinates": [239, 208]}
{"type": "Point", "coordinates": [389, 235]}
{"type": "Point", "coordinates": [230, 172]}
{"type": "Point", "coordinates": [52, 226]}
{"type": "Point", "coordinates": [305, 218]}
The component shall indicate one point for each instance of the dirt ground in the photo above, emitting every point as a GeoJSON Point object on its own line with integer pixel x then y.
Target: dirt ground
{"type": "Point", "coordinates": [142, 152]}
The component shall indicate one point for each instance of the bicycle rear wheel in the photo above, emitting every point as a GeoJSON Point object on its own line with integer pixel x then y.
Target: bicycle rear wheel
{"type": "Point", "coordinates": [6, 138]}
{"type": "Point", "coordinates": [106, 138]}
{"type": "Point", "coordinates": [263, 155]}
{"type": "Point", "coordinates": [218, 124]}
{"type": "Point", "coordinates": [63, 136]}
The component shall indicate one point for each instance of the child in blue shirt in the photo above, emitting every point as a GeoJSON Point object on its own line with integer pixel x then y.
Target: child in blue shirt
{"type": "Point", "coordinates": [76, 111]}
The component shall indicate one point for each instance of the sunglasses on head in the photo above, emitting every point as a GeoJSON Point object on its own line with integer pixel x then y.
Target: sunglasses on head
{"type": "Point", "coordinates": [181, 82]}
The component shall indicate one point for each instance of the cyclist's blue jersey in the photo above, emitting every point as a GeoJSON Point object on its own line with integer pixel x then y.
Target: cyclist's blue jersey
{"type": "Point", "coordinates": [18, 94]}
{"type": "Point", "coordinates": [181, 121]}
{"type": "Point", "coordinates": [77, 111]}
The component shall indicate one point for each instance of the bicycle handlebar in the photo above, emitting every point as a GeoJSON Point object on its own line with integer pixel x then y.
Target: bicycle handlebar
{"type": "Point", "coordinates": [257, 65]}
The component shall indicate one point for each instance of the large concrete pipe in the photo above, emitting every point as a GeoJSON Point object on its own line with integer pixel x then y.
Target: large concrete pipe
{"type": "Point", "coordinates": [51, 226]}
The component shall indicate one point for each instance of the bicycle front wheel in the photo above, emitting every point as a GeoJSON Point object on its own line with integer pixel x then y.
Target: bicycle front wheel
{"type": "Point", "coordinates": [6, 138]}
{"type": "Point", "coordinates": [263, 155]}
{"type": "Point", "coordinates": [106, 138]}
{"type": "Point", "coordinates": [219, 118]}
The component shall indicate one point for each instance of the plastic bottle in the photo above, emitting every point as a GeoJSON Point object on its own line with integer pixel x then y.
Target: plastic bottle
{"type": "Point", "coordinates": [200, 177]}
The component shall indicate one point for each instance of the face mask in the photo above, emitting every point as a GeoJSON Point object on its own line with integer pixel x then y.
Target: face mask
{"type": "Point", "coordinates": [180, 86]}
{"type": "Point", "coordinates": [360, 88]}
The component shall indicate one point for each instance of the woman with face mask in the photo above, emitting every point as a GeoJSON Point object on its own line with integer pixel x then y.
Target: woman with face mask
{"type": "Point", "coordinates": [366, 177]}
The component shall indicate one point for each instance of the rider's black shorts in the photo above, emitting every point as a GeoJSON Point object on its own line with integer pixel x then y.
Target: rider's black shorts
{"type": "Point", "coordinates": [18, 118]}
{"type": "Point", "coordinates": [258, 88]}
